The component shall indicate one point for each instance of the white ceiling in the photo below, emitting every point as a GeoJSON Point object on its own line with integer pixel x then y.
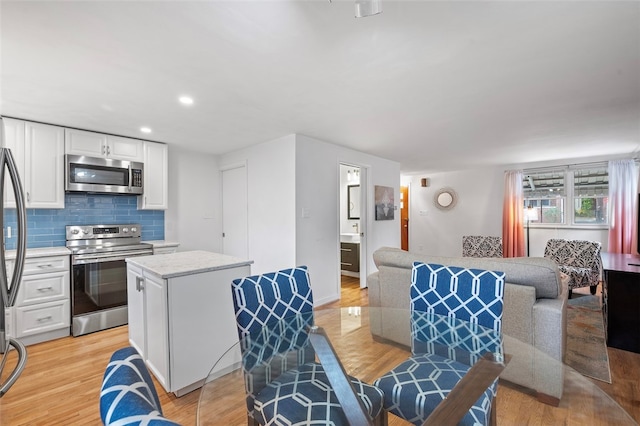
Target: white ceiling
{"type": "Point", "coordinates": [434, 85]}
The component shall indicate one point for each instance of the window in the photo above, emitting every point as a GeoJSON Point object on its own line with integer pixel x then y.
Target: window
{"type": "Point", "coordinates": [575, 196]}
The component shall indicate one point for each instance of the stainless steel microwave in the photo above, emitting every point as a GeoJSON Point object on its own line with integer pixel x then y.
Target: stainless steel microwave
{"type": "Point", "coordinates": [103, 175]}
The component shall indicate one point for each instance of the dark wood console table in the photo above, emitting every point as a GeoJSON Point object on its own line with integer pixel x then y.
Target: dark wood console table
{"type": "Point", "coordinates": [621, 300]}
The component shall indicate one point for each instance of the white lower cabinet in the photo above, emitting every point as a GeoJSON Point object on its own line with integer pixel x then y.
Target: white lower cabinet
{"type": "Point", "coordinates": [181, 325]}
{"type": "Point", "coordinates": [43, 307]}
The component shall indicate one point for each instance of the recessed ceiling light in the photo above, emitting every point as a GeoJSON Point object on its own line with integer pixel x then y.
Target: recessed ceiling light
{"type": "Point", "coordinates": [145, 129]}
{"type": "Point", "coordinates": [186, 100]}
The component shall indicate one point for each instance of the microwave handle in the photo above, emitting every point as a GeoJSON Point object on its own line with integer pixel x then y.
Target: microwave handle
{"type": "Point", "coordinates": [130, 177]}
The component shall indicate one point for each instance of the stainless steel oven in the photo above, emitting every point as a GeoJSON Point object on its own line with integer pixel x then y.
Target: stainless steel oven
{"type": "Point", "coordinates": [99, 274]}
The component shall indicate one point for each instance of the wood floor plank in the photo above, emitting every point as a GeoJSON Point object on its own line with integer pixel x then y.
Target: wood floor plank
{"type": "Point", "coordinates": [62, 379]}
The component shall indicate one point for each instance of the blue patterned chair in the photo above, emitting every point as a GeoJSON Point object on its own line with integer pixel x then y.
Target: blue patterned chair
{"type": "Point", "coordinates": [481, 246]}
{"type": "Point", "coordinates": [456, 320]}
{"type": "Point", "coordinates": [579, 260]}
{"type": "Point", "coordinates": [284, 384]}
{"type": "Point", "coordinates": [128, 395]}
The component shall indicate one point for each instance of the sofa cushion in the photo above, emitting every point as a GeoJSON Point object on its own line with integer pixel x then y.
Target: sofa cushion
{"type": "Point", "coordinates": [537, 272]}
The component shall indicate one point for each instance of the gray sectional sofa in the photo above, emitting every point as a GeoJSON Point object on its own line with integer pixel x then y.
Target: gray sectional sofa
{"type": "Point", "coordinates": [534, 315]}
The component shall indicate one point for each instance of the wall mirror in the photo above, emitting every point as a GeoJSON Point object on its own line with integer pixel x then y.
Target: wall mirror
{"type": "Point", "coordinates": [445, 198]}
{"type": "Point", "coordinates": [353, 201]}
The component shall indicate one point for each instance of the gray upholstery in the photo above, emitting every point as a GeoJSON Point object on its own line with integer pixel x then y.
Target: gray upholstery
{"type": "Point", "coordinates": [534, 317]}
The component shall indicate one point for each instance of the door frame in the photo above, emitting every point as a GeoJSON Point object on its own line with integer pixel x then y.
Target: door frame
{"type": "Point", "coordinates": [365, 224]}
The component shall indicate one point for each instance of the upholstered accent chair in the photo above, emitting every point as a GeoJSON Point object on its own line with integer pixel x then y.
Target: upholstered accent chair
{"type": "Point", "coordinates": [579, 260]}
{"type": "Point", "coordinates": [456, 320]}
{"type": "Point", "coordinates": [284, 383]}
{"type": "Point", "coordinates": [481, 246]}
{"type": "Point", "coordinates": [128, 395]}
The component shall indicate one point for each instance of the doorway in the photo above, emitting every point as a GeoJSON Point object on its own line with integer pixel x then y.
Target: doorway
{"type": "Point", "coordinates": [352, 215]}
{"type": "Point", "coordinates": [404, 218]}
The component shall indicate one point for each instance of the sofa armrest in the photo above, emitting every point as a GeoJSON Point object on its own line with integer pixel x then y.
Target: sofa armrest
{"type": "Point", "coordinates": [373, 285]}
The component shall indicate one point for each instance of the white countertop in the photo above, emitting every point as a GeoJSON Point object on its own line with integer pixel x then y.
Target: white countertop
{"type": "Point", "coordinates": [41, 252]}
{"type": "Point", "coordinates": [186, 263]}
{"type": "Point", "coordinates": [162, 243]}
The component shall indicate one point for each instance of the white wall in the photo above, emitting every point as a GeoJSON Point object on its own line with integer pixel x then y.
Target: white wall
{"type": "Point", "coordinates": [193, 218]}
{"type": "Point", "coordinates": [271, 183]}
{"type": "Point", "coordinates": [318, 195]}
{"type": "Point", "coordinates": [478, 210]}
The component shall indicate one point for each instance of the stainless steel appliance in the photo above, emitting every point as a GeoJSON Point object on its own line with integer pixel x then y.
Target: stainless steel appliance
{"type": "Point", "coordinates": [99, 274]}
{"type": "Point", "coordinates": [9, 286]}
{"type": "Point", "coordinates": [103, 175]}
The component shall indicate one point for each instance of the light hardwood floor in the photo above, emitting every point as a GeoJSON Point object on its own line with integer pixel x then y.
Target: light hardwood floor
{"type": "Point", "coordinates": [61, 383]}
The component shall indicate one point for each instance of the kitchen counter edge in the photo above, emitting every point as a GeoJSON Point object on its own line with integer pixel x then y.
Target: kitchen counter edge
{"type": "Point", "coordinates": [179, 264]}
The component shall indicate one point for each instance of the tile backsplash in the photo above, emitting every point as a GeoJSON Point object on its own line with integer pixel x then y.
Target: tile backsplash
{"type": "Point", "coordinates": [46, 227]}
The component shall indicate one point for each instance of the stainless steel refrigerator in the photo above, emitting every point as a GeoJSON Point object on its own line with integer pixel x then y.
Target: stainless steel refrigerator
{"type": "Point", "coordinates": [9, 286]}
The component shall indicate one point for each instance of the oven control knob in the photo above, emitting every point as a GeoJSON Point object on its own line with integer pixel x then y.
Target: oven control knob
{"type": "Point", "coordinates": [134, 229]}
{"type": "Point", "coordinates": [125, 230]}
{"type": "Point", "coordinates": [75, 231]}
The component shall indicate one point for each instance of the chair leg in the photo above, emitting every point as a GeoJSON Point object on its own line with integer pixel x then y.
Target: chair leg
{"type": "Point", "coordinates": [382, 419]}
{"type": "Point", "coordinates": [251, 421]}
{"type": "Point", "coordinates": [493, 415]}
{"type": "Point", "coordinates": [593, 289]}
{"type": "Point", "coordinates": [570, 293]}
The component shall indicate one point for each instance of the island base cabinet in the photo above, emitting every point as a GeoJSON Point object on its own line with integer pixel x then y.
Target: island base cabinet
{"type": "Point", "coordinates": [182, 325]}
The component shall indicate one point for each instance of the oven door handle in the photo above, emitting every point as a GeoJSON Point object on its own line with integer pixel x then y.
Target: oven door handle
{"type": "Point", "coordinates": [82, 259]}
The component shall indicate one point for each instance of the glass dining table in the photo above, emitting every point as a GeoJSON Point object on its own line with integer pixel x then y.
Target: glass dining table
{"type": "Point", "coordinates": [223, 397]}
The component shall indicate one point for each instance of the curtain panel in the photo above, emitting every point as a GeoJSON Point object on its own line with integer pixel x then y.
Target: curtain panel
{"type": "Point", "coordinates": [513, 214]}
{"type": "Point", "coordinates": [623, 205]}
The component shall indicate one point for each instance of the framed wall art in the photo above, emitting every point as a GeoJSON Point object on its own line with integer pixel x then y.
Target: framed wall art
{"type": "Point", "coordinates": [384, 202]}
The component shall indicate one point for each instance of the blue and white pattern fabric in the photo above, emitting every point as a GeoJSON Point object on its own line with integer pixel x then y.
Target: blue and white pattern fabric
{"type": "Point", "coordinates": [456, 318]}
{"type": "Point", "coordinates": [284, 384]}
{"type": "Point", "coordinates": [472, 295]}
{"type": "Point", "coordinates": [128, 395]}
{"type": "Point", "coordinates": [263, 299]}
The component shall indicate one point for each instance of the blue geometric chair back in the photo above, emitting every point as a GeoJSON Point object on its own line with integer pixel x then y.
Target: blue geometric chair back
{"type": "Point", "coordinates": [128, 395]}
{"type": "Point", "coordinates": [471, 295]}
{"type": "Point", "coordinates": [264, 299]}
{"type": "Point", "coordinates": [273, 312]}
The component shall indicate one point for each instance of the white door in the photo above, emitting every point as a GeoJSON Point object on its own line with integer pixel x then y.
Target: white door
{"type": "Point", "coordinates": [234, 212]}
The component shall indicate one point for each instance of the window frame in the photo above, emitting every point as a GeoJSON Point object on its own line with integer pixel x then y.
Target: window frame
{"type": "Point", "coordinates": [569, 197]}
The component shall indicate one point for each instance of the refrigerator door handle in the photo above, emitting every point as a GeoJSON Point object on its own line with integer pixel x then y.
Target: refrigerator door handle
{"type": "Point", "coordinates": [10, 291]}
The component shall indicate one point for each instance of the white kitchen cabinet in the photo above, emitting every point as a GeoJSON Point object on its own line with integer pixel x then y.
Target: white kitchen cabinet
{"type": "Point", "coordinates": [156, 177]}
{"type": "Point", "coordinates": [42, 310]}
{"type": "Point", "coordinates": [181, 317]}
{"type": "Point", "coordinates": [38, 151]}
{"type": "Point", "coordinates": [93, 144]}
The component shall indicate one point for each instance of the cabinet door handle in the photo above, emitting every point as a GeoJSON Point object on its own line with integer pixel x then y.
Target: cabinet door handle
{"type": "Point", "coordinates": [104, 149]}
{"type": "Point", "coordinates": [43, 319]}
{"type": "Point", "coordinates": [48, 265]}
{"type": "Point", "coordinates": [43, 289]}
{"type": "Point", "coordinates": [28, 197]}
{"type": "Point", "coordinates": [108, 150]}
{"type": "Point", "coordinates": [139, 283]}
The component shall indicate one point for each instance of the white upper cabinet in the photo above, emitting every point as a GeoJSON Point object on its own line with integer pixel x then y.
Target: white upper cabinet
{"type": "Point", "coordinates": [38, 150]}
{"type": "Point", "coordinates": [156, 177]}
{"type": "Point", "coordinates": [44, 166]}
{"type": "Point", "coordinates": [92, 144]}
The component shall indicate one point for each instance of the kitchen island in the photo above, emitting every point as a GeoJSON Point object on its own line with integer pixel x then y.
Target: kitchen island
{"type": "Point", "coordinates": [181, 315]}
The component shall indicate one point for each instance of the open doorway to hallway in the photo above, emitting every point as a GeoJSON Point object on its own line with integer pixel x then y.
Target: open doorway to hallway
{"type": "Point", "coordinates": [404, 218]}
{"type": "Point", "coordinates": [352, 223]}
